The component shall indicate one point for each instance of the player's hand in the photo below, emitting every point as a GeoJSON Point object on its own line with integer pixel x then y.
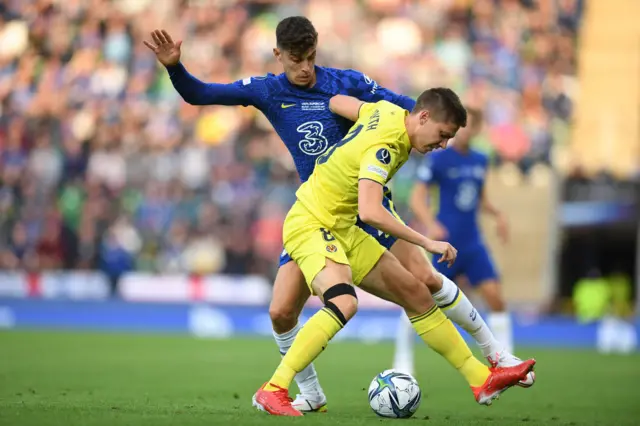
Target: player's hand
{"type": "Point", "coordinates": [437, 231]}
{"type": "Point", "coordinates": [167, 52]}
{"type": "Point", "coordinates": [448, 252]}
{"type": "Point", "coordinates": [502, 227]}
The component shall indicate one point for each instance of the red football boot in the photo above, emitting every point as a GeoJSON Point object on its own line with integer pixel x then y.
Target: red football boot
{"type": "Point", "coordinates": [276, 403]}
{"type": "Point", "coordinates": [506, 359]}
{"type": "Point", "coordinates": [501, 379]}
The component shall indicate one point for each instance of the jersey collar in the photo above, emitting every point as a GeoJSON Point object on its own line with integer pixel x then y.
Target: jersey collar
{"type": "Point", "coordinates": [321, 76]}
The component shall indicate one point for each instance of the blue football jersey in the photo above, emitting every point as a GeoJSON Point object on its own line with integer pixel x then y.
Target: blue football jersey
{"type": "Point", "coordinates": [300, 116]}
{"type": "Point", "coordinates": [460, 178]}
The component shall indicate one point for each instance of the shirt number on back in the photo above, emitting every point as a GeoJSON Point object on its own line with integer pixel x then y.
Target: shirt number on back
{"type": "Point", "coordinates": [352, 134]}
{"type": "Point", "coordinates": [467, 196]}
{"type": "Point", "coordinates": [314, 142]}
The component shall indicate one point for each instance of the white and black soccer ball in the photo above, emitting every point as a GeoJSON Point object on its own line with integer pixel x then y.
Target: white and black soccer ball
{"type": "Point", "coordinates": [529, 381]}
{"type": "Point", "coordinates": [394, 394]}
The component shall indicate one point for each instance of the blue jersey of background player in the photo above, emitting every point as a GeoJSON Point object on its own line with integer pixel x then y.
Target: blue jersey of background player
{"type": "Point", "coordinates": [459, 173]}
{"type": "Point", "coordinates": [295, 102]}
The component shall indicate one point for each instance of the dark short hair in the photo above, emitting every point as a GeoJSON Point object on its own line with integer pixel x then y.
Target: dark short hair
{"type": "Point", "coordinates": [296, 34]}
{"type": "Point", "coordinates": [443, 105]}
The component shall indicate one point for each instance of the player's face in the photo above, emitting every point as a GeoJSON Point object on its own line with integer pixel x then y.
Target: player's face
{"type": "Point", "coordinates": [431, 134]}
{"type": "Point", "coordinates": [299, 69]}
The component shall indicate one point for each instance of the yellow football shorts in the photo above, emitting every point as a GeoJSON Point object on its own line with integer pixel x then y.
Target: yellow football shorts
{"type": "Point", "coordinates": [309, 244]}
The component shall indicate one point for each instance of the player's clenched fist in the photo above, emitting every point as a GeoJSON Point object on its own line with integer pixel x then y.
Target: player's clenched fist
{"type": "Point", "coordinates": [448, 252]}
{"type": "Point", "coordinates": [167, 52]}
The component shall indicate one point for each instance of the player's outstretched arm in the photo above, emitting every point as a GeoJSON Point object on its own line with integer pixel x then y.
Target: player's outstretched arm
{"type": "Point", "coordinates": [372, 212]}
{"type": "Point", "coordinates": [345, 106]}
{"type": "Point", "coordinates": [368, 90]}
{"type": "Point", "coordinates": [428, 174]}
{"type": "Point", "coordinates": [501, 220]}
{"type": "Point", "coordinates": [420, 207]}
{"type": "Point", "coordinates": [192, 90]}
{"type": "Point", "coordinates": [486, 205]}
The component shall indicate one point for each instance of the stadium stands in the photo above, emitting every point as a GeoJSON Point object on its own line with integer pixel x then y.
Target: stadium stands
{"type": "Point", "coordinates": [104, 167]}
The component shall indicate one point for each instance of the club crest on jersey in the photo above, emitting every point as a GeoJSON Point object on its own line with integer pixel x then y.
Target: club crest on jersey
{"type": "Point", "coordinates": [332, 248]}
{"type": "Point", "coordinates": [383, 156]}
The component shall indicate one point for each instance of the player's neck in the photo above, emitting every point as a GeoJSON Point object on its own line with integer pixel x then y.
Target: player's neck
{"type": "Point", "coordinates": [462, 149]}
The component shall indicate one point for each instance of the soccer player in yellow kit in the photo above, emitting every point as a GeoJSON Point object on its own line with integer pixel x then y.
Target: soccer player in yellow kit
{"type": "Point", "coordinates": [321, 235]}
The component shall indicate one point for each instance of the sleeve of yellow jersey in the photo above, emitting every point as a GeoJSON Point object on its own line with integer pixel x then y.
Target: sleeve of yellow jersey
{"type": "Point", "coordinates": [381, 156]}
{"type": "Point", "coordinates": [366, 108]}
{"type": "Point", "coordinates": [378, 161]}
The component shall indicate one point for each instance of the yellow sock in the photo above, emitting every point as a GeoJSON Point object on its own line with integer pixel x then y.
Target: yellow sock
{"type": "Point", "coordinates": [310, 341]}
{"type": "Point", "coordinates": [440, 334]}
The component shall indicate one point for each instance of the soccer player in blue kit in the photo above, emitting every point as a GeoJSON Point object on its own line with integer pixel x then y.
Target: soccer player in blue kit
{"type": "Point", "coordinates": [459, 173]}
{"type": "Point", "coordinates": [296, 103]}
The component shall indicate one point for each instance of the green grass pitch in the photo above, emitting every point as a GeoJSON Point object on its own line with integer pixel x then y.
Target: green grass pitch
{"type": "Point", "coordinates": [67, 379]}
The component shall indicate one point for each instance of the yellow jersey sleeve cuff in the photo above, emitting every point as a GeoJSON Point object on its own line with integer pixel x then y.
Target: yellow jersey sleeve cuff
{"type": "Point", "coordinates": [374, 173]}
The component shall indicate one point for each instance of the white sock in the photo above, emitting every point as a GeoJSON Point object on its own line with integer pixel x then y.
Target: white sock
{"type": "Point", "coordinates": [403, 358]}
{"type": "Point", "coordinates": [307, 379]}
{"type": "Point", "coordinates": [457, 307]}
{"type": "Point", "coordinates": [500, 323]}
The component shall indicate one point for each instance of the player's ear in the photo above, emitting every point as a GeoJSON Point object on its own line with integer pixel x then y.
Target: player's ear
{"type": "Point", "coordinates": [424, 117]}
{"type": "Point", "coordinates": [276, 53]}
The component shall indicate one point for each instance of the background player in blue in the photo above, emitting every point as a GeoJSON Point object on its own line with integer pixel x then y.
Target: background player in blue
{"type": "Point", "coordinates": [459, 172]}
{"type": "Point", "coordinates": [296, 103]}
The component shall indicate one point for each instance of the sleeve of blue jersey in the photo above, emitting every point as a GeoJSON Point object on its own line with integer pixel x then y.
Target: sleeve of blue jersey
{"type": "Point", "coordinates": [364, 88]}
{"type": "Point", "coordinates": [249, 91]}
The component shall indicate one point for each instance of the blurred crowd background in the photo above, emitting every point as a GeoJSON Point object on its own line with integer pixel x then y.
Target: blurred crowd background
{"type": "Point", "coordinates": [103, 166]}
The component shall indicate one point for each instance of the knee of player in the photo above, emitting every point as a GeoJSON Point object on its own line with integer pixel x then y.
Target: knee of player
{"type": "Point", "coordinates": [283, 317]}
{"type": "Point", "coordinates": [492, 295]}
{"type": "Point", "coordinates": [495, 302]}
{"type": "Point", "coordinates": [415, 296]}
{"type": "Point", "coordinates": [341, 300]}
{"type": "Point", "coordinates": [430, 278]}
{"type": "Point", "coordinates": [421, 269]}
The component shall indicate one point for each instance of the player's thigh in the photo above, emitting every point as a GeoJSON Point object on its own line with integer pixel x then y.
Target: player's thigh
{"type": "Point", "coordinates": [364, 253]}
{"type": "Point", "coordinates": [290, 292]}
{"type": "Point", "coordinates": [415, 260]}
{"type": "Point", "coordinates": [310, 245]}
{"type": "Point", "coordinates": [313, 255]}
{"type": "Point", "coordinates": [389, 280]}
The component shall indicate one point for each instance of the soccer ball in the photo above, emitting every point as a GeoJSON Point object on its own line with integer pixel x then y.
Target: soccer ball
{"type": "Point", "coordinates": [394, 394]}
{"type": "Point", "coordinates": [529, 381]}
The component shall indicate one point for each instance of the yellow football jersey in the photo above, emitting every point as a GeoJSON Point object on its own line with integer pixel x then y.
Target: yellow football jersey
{"type": "Point", "coordinates": [375, 148]}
